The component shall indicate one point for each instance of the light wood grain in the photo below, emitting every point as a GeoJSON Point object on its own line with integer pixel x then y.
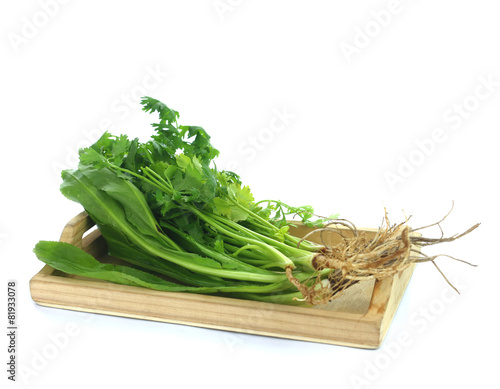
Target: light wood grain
{"type": "Point", "coordinates": [360, 318]}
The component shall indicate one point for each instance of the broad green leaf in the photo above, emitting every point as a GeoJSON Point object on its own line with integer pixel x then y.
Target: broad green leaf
{"type": "Point", "coordinates": [72, 260]}
{"type": "Point", "coordinates": [231, 211]}
{"type": "Point", "coordinates": [127, 195]}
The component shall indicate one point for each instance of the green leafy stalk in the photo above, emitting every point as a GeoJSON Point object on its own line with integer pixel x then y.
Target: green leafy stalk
{"type": "Point", "coordinates": [72, 260]}
{"type": "Point", "coordinates": [163, 207]}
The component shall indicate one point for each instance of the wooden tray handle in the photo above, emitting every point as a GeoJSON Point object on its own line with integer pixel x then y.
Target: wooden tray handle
{"type": "Point", "coordinates": [73, 233]}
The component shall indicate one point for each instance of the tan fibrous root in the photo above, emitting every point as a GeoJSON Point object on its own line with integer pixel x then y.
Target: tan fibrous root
{"type": "Point", "coordinates": [357, 258]}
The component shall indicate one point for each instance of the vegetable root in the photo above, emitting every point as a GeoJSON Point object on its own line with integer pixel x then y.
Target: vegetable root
{"type": "Point", "coordinates": [357, 258]}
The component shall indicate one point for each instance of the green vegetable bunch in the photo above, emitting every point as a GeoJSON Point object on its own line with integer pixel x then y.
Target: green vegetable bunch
{"type": "Point", "coordinates": [182, 225]}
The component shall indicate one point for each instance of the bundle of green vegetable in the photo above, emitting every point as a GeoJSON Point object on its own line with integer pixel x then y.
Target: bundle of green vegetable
{"type": "Point", "coordinates": [182, 225]}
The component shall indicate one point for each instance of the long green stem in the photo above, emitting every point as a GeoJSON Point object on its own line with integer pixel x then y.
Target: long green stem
{"type": "Point", "coordinates": [263, 222]}
{"type": "Point", "coordinates": [284, 260]}
{"type": "Point", "coordinates": [247, 247]}
{"type": "Point", "coordinates": [292, 251]}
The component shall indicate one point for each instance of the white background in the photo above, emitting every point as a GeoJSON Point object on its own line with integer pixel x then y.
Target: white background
{"type": "Point", "coordinates": [363, 84]}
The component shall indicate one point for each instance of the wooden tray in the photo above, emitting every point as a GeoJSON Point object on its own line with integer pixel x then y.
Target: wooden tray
{"type": "Point", "coordinates": [359, 318]}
